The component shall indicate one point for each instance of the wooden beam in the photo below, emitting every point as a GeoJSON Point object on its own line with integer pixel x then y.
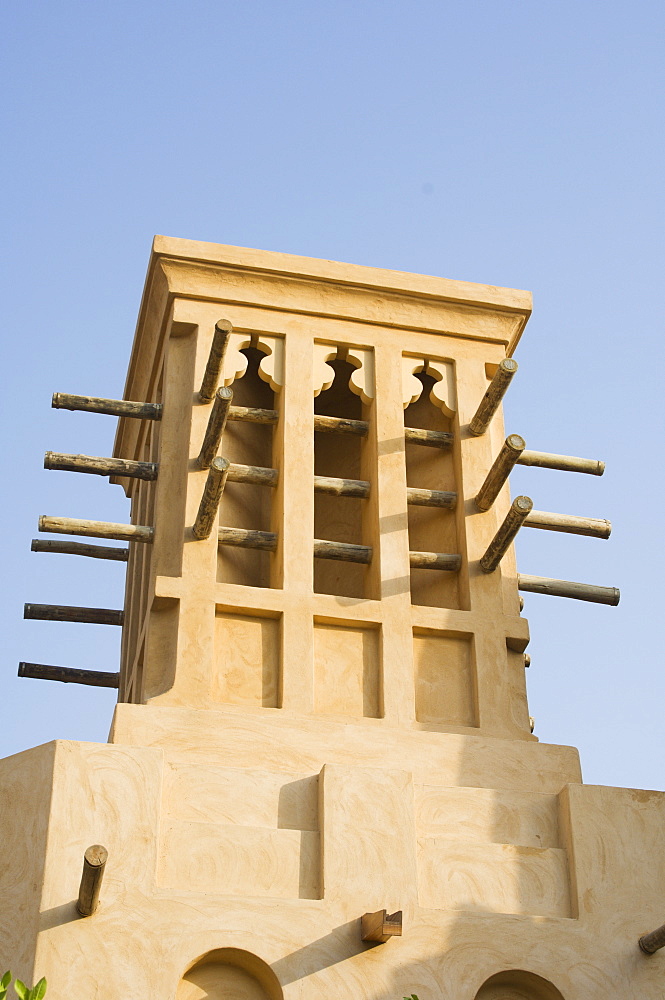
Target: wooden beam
{"type": "Point", "coordinates": [215, 429]}
{"type": "Point", "coordinates": [527, 660]}
{"type": "Point", "coordinates": [101, 466]}
{"type": "Point", "coordinates": [566, 588]}
{"type": "Point", "coordinates": [65, 613]}
{"type": "Point", "coordinates": [564, 463]}
{"type": "Point", "coordinates": [496, 550]}
{"type": "Point", "coordinates": [69, 675]}
{"type": "Point", "coordinates": [435, 560]}
{"type": "Point", "coordinates": [256, 475]}
{"type": "Point", "coordinates": [340, 425]}
{"type": "Point", "coordinates": [342, 551]}
{"type": "Point", "coordinates": [503, 465]}
{"type": "Point", "coordinates": [594, 527]}
{"type": "Point", "coordinates": [94, 863]}
{"type": "Point", "coordinates": [215, 360]}
{"type": "Point", "coordinates": [381, 925]}
{"type": "Point", "coordinates": [247, 539]}
{"type": "Point", "coordinates": [96, 529]}
{"type": "Point", "coordinates": [114, 407]}
{"type": "Point", "coordinates": [490, 402]}
{"type": "Point", "coordinates": [431, 439]}
{"type": "Point", "coordinates": [79, 549]}
{"type": "Point", "coordinates": [212, 494]}
{"type": "Point", "coordinates": [653, 942]}
{"type": "Point", "coordinates": [341, 487]}
{"type": "Point", "coordinates": [431, 498]}
{"type": "Point", "coordinates": [253, 414]}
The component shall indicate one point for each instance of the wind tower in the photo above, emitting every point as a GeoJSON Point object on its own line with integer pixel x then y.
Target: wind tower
{"type": "Point", "coordinates": [321, 780]}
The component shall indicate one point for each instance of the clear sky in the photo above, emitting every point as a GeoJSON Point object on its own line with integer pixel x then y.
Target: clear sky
{"type": "Point", "coordinates": [514, 143]}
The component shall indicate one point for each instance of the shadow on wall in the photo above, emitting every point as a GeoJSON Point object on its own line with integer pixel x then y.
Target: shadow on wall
{"type": "Point", "coordinates": [229, 974]}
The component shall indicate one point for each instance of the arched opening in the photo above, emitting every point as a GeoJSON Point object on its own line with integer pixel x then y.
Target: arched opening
{"type": "Point", "coordinates": [515, 984]}
{"type": "Point", "coordinates": [229, 974]}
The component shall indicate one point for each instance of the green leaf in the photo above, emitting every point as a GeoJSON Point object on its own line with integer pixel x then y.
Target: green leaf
{"type": "Point", "coordinates": [37, 992]}
{"type": "Point", "coordinates": [5, 981]}
{"type": "Point", "coordinates": [21, 989]}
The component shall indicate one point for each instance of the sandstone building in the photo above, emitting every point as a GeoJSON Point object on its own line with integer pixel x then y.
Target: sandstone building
{"type": "Point", "coordinates": [322, 706]}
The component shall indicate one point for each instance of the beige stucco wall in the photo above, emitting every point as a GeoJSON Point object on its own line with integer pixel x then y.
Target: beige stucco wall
{"type": "Point", "coordinates": [229, 832]}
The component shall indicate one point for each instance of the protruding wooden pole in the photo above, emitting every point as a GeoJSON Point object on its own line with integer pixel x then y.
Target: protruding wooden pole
{"type": "Point", "coordinates": [79, 549]}
{"type": "Point", "coordinates": [503, 465]}
{"type": "Point", "coordinates": [567, 588]}
{"type": "Point", "coordinates": [594, 527]}
{"type": "Point", "coordinates": [498, 547]}
{"type": "Point", "coordinates": [69, 675]}
{"type": "Point", "coordinates": [215, 360]}
{"type": "Point", "coordinates": [65, 613]}
{"type": "Point", "coordinates": [94, 863]}
{"type": "Point", "coordinates": [212, 494]}
{"type": "Point", "coordinates": [527, 660]}
{"type": "Point", "coordinates": [247, 539]}
{"type": "Point", "coordinates": [435, 560]}
{"type": "Point", "coordinates": [564, 463]}
{"type": "Point", "coordinates": [101, 466]}
{"type": "Point", "coordinates": [496, 390]}
{"type": "Point", "coordinates": [96, 529]}
{"type": "Point", "coordinates": [653, 942]}
{"type": "Point", "coordinates": [381, 925]}
{"type": "Point", "coordinates": [114, 407]}
{"type": "Point", "coordinates": [342, 551]}
{"type": "Point", "coordinates": [431, 498]}
{"type": "Point", "coordinates": [216, 424]}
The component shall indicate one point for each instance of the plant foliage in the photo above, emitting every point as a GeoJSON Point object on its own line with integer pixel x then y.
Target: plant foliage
{"type": "Point", "coordinates": [23, 992]}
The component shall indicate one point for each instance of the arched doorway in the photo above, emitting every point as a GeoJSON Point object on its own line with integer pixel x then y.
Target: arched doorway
{"type": "Point", "coordinates": [515, 984]}
{"type": "Point", "coordinates": [229, 974]}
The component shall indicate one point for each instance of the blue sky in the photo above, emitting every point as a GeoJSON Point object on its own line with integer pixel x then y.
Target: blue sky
{"type": "Point", "coordinates": [511, 143]}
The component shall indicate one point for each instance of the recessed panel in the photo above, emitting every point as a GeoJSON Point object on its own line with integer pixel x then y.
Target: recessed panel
{"type": "Point", "coordinates": [346, 671]}
{"type": "Point", "coordinates": [247, 656]}
{"type": "Point", "coordinates": [445, 678]}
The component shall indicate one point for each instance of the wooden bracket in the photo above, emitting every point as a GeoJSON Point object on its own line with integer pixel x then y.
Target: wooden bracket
{"type": "Point", "coordinates": [381, 925]}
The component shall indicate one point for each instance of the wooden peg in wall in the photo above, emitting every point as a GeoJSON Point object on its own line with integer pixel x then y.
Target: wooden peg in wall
{"type": "Point", "coordinates": [653, 942]}
{"type": "Point", "coordinates": [496, 390]}
{"type": "Point", "coordinates": [215, 429]}
{"type": "Point", "coordinates": [213, 370]}
{"type": "Point", "coordinates": [94, 863]}
{"type": "Point", "coordinates": [503, 465]}
{"type": "Point", "coordinates": [96, 466]}
{"type": "Point", "coordinates": [69, 675]}
{"type": "Point", "coordinates": [496, 550]}
{"type": "Point", "coordinates": [114, 407]}
{"type": "Point", "coordinates": [96, 529]}
{"type": "Point", "coordinates": [212, 494]}
{"type": "Point", "coordinates": [568, 588]}
{"type": "Point", "coordinates": [381, 925]}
